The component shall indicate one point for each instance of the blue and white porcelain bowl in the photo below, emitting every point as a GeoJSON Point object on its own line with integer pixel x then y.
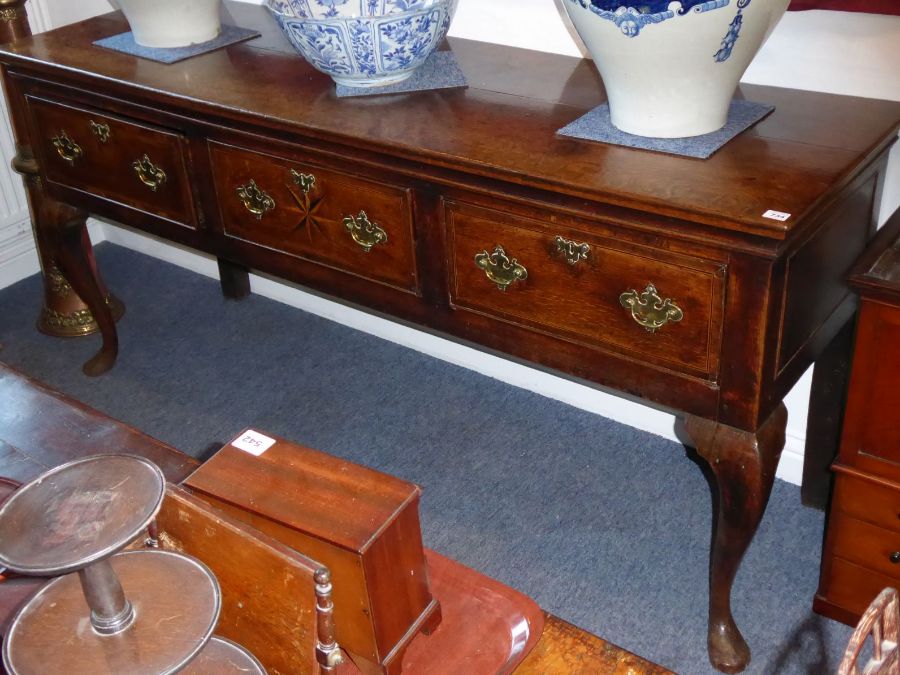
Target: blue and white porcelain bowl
{"type": "Point", "coordinates": [365, 43]}
{"type": "Point", "coordinates": [671, 67]}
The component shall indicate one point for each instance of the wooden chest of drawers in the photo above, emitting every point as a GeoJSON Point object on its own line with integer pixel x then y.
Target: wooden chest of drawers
{"type": "Point", "coordinates": [361, 524]}
{"type": "Point", "coordinates": [862, 545]}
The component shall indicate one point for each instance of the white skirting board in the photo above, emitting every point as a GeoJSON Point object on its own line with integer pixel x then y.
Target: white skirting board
{"type": "Point", "coordinates": [587, 398]}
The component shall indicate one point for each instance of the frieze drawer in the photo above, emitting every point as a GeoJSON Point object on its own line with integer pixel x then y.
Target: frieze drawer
{"type": "Point", "coordinates": [298, 207]}
{"type": "Point", "coordinates": [655, 306]}
{"type": "Point", "coordinates": [119, 160]}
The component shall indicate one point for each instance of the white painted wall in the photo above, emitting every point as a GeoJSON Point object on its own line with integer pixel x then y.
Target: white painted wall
{"type": "Point", "coordinates": [844, 53]}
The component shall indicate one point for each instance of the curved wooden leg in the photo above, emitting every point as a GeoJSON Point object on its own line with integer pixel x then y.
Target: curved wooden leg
{"type": "Point", "coordinates": [66, 234]}
{"type": "Point", "coordinates": [744, 465]}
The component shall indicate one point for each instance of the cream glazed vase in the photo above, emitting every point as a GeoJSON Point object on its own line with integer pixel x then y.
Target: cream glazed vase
{"type": "Point", "coordinates": [172, 23]}
{"type": "Point", "coordinates": [671, 67]}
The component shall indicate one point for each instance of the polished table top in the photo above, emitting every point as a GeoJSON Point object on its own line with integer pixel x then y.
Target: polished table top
{"type": "Point", "coordinates": [41, 428]}
{"type": "Point", "coordinates": [808, 146]}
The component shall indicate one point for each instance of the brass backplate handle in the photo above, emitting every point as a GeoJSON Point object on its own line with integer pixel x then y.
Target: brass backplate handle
{"type": "Point", "coordinates": [649, 309]}
{"type": "Point", "coordinates": [500, 268]}
{"type": "Point", "coordinates": [305, 181]}
{"type": "Point", "coordinates": [68, 149]}
{"type": "Point", "coordinates": [572, 250]}
{"type": "Point", "coordinates": [100, 130]}
{"type": "Point", "coordinates": [149, 174]}
{"type": "Point", "coordinates": [255, 200]}
{"type": "Point", "coordinates": [364, 232]}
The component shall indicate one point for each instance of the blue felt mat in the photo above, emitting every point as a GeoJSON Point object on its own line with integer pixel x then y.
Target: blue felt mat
{"type": "Point", "coordinates": [124, 42]}
{"type": "Point", "coordinates": [597, 126]}
{"type": "Point", "coordinates": [440, 71]}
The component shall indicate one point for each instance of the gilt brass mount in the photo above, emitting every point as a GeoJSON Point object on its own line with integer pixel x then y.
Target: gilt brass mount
{"type": "Point", "coordinates": [255, 200]}
{"type": "Point", "coordinates": [500, 268]}
{"type": "Point", "coordinates": [364, 232]}
{"type": "Point", "coordinates": [572, 250]}
{"type": "Point", "coordinates": [68, 149]}
{"type": "Point", "coordinates": [100, 130]}
{"type": "Point", "coordinates": [150, 175]}
{"type": "Point", "coordinates": [11, 14]}
{"type": "Point", "coordinates": [649, 309]}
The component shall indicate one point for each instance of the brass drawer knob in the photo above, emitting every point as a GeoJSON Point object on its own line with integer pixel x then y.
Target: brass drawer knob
{"type": "Point", "coordinates": [255, 200]}
{"type": "Point", "coordinates": [149, 174]}
{"type": "Point", "coordinates": [100, 130]}
{"type": "Point", "coordinates": [364, 232]}
{"type": "Point", "coordinates": [500, 268]}
{"type": "Point", "coordinates": [649, 309]}
{"type": "Point", "coordinates": [572, 250]}
{"type": "Point", "coordinates": [68, 149]}
{"type": "Point", "coordinates": [895, 557]}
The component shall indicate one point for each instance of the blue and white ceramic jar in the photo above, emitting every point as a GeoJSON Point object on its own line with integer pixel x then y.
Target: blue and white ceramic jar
{"type": "Point", "coordinates": [365, 43]}
{"type": "Point", "coordinates": [671, 67]}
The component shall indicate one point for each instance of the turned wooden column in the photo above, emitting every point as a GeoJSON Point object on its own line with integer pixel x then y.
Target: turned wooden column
{"type": "Point", "coordinates": [744, 465]}
{"type": "Point", "coordinates": [64, 313]}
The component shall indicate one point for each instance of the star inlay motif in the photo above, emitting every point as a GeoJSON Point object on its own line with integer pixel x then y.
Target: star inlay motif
{"type": "Point", "coordinates": [308, 205]}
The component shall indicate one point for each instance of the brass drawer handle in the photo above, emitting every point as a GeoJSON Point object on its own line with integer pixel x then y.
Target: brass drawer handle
{"type": "Point", "coordinates": [68, 149]}
{"type": "Point", "coordinates": [364, 232]}
{"type": "Point", "coordinates": [895, 557]}
{"type": "Point", "coordinates": [255, 200]}
{"type": "Point", "coordinates": [650, 310]}
{"type": "Point", "coordinates": [572, 250]}
{"type": "Point", "coordinates": [305, 181]}
{"type": "Point", "coordinates": [100, 130]}
{"type": "Point", "coordinates": [150, 175]}
{"type": "Point", "coordinates": [500, 268]}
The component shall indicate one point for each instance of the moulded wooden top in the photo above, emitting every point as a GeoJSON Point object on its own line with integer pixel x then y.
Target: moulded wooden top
{"type": "Point", "coordinates": [311, 491]}
{"type": "Point", "coordinates": [503, 126]}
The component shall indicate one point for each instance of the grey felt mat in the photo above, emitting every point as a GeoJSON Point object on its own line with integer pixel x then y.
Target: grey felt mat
{"type": "Point", "coordinates": [440, 71]}
{"type": "Point", "coordinates": [124, 42]}
{"type": "Point", "coordinates": [597, 126]}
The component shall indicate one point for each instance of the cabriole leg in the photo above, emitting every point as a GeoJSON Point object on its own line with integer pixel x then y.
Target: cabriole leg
{"type": "Point", "coordinates": [744, 465]}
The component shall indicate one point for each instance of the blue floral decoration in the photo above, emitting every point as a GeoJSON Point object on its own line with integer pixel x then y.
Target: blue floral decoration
{"type": "Point", "coordinates": [632, 20]}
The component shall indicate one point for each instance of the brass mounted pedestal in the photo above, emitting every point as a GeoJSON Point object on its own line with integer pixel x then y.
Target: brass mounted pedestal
{"type": "Point", "coordinates": [64, 314]}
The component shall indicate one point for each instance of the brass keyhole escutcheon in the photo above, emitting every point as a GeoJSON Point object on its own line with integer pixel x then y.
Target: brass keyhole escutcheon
{"type": "Point", "coordinates": [100, 130]}
{"type": "Point", "coordinates": [149, 174]}
{"type": "Point", "coordinates": [364, 232]}
{"type": "Point", "coordinates": [68, 149]}
{"type": "Point", "coordinates": [500, 268]}
{"type": "Point", "coordinates": [255, 200]}
{"type": "Point", "coordinates": [573, 252]}
{"type": "Point", "coordinates": [649, 310]}
{"type": "Point", "coordinates": [305, 181]}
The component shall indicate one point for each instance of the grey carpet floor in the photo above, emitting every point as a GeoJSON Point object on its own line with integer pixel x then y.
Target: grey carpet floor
{"type": "Point", "coordinates": [603, 525]}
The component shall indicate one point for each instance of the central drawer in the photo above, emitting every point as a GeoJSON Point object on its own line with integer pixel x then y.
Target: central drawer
{"type": "Point", "coordinates": [654, 306]}
{"type": "Point", "coordinates": [295, 205]}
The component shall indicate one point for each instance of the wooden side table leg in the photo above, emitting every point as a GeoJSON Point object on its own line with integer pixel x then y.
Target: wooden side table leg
{"type": "Point", "coordinates": [744, 465]}
{"type": "Point", "coordinates": [234, 279]}
{"type": "Point", "coordinates": [65, 232]}
{"type": "Point", "coordinates": [828, 397]}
